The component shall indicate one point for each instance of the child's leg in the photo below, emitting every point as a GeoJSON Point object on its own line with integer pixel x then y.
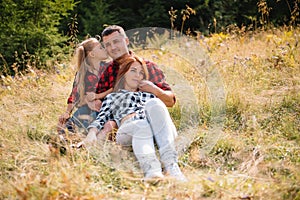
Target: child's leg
{"type": "Point", "coordinates": [81, 117]}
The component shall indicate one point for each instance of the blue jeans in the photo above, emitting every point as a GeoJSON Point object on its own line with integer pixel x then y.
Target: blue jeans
{"type": "Point", "coordinates": [79, 121]}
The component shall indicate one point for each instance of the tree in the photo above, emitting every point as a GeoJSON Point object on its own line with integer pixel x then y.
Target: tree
{"type": "Point", "coordinates": [94, 15]}
{"type": "Point", "coordinates": [29, 33]}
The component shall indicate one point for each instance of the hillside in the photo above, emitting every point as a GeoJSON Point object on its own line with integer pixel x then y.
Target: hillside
{"type": "Point", "coordinates": [255, 154]}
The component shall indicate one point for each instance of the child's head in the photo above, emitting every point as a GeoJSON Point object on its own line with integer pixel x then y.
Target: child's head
{"type": "Point", "coordinates": [131, 72]}
{"type": "Point", "coordinates": [89, 53]}
{"type": "Point", "coordinates": [89, 49]}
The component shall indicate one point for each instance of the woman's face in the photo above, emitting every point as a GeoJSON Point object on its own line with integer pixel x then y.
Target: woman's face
{"type": "Point", "coordinates": [133, 76]}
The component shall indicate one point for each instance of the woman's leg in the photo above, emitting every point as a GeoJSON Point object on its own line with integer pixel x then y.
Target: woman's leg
{"type": "Point", "coordinates": [139, 134]}
{"type": "Point", "coordinates": [165, 133]}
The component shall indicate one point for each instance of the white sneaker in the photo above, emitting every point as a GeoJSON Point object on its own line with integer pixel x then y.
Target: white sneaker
{"type": "Point", "coordinates": [151, 166]}
{"type": "Point", "coordinates": [156, 174]}
{"type": "Point", "coordinates": [174, 171]}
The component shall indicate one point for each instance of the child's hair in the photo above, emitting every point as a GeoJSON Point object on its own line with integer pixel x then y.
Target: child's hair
{"type": "Point", "coordinates": [82, 63]}
{"type": "Point", "coordinates": [124, 67]}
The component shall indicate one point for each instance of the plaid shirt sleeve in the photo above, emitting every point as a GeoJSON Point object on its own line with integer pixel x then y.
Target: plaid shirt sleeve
{"type": "Point", "coordinates": [91, 84]}
{"type": "Point", "coordinates": [105, 114]}
{"type": "Point", "coordinates": [157, 76]}
{"type": "Point", "coordinates": [74, 96]}
{"type": "Point", "coordinates": [145, 96]}
{"type": "Point", "coordinates": [107, 78]}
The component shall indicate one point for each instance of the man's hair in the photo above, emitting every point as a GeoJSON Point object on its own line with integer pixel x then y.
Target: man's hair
{"type": "Point", "coordinates": [111, 29]}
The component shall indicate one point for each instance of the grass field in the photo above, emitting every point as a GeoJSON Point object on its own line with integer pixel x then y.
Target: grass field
{"type": "Point", "coordinates": [256, 154]}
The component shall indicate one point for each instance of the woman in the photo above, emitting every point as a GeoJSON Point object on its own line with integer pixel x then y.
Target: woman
{"type": "Point", "coordinates": [142, 119]}
{"type": "Point", "coordinates": [88, 56]}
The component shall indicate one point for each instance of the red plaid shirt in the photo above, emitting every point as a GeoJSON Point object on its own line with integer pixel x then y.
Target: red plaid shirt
{"type": "Point", "coordinates": [108, 78]}
{"type": "Point", "coordinates": [91, 83]}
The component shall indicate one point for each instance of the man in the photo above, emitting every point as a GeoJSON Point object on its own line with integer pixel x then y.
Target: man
{"type": "Point", "coordinates": [116, 44]}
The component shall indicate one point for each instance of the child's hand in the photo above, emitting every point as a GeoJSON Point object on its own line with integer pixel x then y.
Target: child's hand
{"type": "Point", "coordinates": [90, 96]}
{"type": "Point", "coordinates": [95, 105]}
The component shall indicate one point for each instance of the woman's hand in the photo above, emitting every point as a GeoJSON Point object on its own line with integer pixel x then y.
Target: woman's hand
{"type": "Point", "coordinates": [90, 139]}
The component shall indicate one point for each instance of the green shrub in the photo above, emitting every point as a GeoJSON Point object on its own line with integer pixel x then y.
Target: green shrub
{"type": "Point", "coordinates": [29, 33]}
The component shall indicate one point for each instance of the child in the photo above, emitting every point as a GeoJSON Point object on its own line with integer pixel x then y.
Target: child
{"type": "Point", "coordinates": [89, 56]}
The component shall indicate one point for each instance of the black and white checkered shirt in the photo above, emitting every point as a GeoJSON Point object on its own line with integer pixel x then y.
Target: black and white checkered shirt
{"type": "Point", "coordinates": [117, 105]}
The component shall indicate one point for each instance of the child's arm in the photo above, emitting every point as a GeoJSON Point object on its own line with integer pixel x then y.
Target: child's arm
{"type": "Point", "coordinates": [66, 115]}
{"type": "Point", "coordinates": [91, 96]}
{"type": "Point", "coordinates": [103, 94]}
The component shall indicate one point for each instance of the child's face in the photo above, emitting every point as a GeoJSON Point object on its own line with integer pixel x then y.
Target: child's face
{"type": "Point", "coordinates": [133, 76]}
{"type": "Point", "coordinates": [100, 52]}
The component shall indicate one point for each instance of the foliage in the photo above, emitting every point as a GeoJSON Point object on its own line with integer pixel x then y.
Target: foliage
{"type": "Point", "coordinates": [94, 15]}
{"type": "Point", "coordinates": [38, 33]}
{"type": "Point", "coordinates": [29, 31]}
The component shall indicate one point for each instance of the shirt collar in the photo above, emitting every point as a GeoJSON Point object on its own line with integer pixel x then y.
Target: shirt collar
{"type": "Point", "coordinates": [124, 57]}
{"type": "Point", "coordinates": [124, 91]}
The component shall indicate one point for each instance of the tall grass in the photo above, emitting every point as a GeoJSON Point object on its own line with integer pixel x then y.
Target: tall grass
{"type": "Point", "coordinates": [256, 157]}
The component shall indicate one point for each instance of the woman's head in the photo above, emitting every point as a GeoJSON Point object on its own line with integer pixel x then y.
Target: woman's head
{"type": "Point", "coordinates": [131, 72]}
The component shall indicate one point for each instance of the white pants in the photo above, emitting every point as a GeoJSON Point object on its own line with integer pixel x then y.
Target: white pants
{"type": "Point", "coordinates": [141, 134]}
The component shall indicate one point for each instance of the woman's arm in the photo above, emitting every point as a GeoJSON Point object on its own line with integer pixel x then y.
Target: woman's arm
{"type": "Point", "coordinates": [97, 125]}
{"type": "Point", "coordinates": [105, 114]}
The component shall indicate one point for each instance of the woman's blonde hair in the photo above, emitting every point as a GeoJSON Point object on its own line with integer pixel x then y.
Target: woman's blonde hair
{"type": "Point", "coordinates": [82, 63]}
{"type": "Point", "coordinates": [124, 67]}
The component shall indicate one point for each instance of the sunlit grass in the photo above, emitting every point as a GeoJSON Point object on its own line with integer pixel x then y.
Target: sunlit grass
{"type": "Point", "coordinates": [256, 156]}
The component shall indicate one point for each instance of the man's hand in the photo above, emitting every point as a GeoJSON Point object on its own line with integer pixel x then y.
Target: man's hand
{"type": "Point", "coordinates": [165, 96]}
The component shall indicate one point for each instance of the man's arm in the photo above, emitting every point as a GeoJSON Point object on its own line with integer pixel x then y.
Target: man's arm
{"type": "Point", "coordinates": [160, 88]}
{"type": "Point", "coordinates": [166, 96]}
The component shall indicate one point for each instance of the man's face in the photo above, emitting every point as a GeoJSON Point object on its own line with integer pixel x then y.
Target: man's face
{"type": "Point", "coordinates": [116, 45]}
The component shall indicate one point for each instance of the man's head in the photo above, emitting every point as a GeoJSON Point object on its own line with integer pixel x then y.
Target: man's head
{"type": "Point", "coordinates": [115, 41]}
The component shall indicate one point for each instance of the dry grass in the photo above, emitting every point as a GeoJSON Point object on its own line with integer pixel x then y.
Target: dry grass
{"type": "Point", "coordinates": [256, 157]}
